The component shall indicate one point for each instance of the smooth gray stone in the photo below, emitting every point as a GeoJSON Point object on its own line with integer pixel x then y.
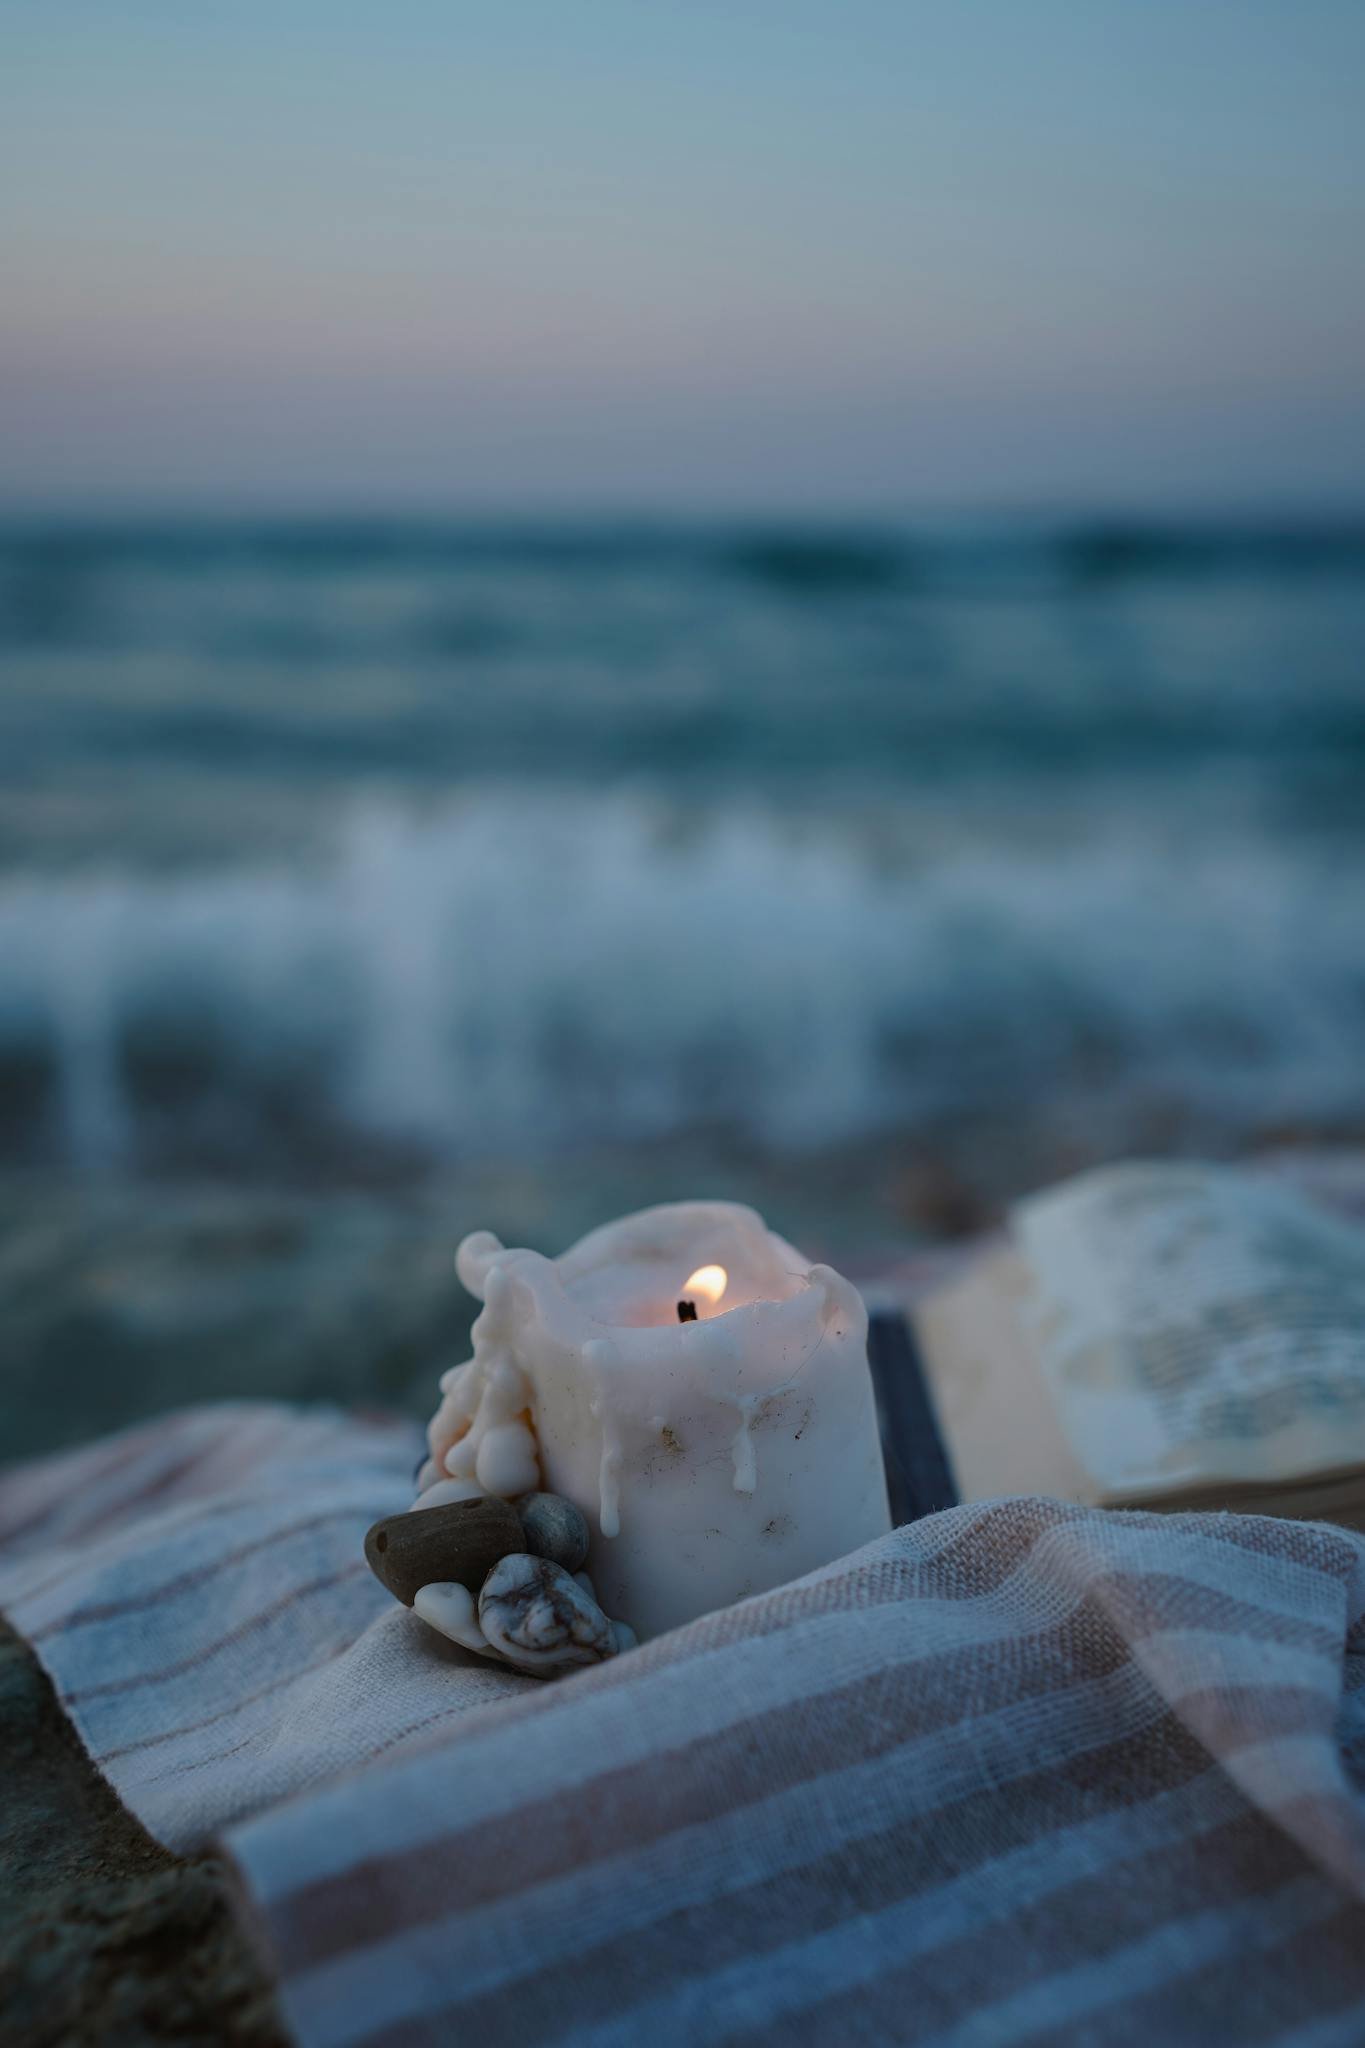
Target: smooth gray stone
{"type": "Point", "coordinates": [554, 1528]}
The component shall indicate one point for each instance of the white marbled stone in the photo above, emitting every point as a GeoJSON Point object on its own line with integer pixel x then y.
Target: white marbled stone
{"type": "Point", "coordinates": [540, 1618]}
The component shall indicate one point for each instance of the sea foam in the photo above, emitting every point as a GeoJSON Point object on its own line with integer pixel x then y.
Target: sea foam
{"type": "Point", "coordinates": [530, 969]}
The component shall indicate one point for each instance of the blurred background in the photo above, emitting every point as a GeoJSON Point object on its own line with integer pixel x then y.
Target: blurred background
{"type": "Point", "coordinates": [606, 604]}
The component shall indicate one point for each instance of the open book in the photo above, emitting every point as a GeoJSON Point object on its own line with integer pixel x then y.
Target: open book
{"type": "Point", "coordinates": [1173, 1336]}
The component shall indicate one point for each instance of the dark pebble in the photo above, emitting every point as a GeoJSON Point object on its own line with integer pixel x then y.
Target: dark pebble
{"type": "Point", "coordinates": [554, 1528]}
{"type": "Point", "coordinates": [462, 1540]}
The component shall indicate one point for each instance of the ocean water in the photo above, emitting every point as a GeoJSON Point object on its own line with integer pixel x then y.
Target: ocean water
{"type": "Point", "coordinates": [439, 843]}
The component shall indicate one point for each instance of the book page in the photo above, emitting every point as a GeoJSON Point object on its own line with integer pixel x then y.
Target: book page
{"type": "Point", "coordinates": [995, 1414]}
{"type": "Point", "coordinates": [1196, 1323]}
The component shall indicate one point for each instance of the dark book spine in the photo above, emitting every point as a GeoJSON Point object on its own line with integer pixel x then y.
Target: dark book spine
{"type": "Point", "coordinates": [919, 1475]}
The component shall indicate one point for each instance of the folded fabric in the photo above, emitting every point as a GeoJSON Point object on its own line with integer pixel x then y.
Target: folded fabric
{"type": "Point", "coordinates": [197, 1592]}
{"type": "Point", "coordinates": [1018, 1771]}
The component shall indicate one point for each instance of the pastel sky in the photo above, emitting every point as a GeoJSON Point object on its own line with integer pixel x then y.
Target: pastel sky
{"type": "Point", "coordinates": [721, 254]}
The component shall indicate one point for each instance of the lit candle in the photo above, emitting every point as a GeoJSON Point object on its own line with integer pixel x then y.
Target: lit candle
{"type": "Point", "coordinates": [699, 1389]}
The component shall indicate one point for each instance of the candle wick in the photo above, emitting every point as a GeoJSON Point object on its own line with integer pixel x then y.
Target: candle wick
{"type": "Point", "coordinates": [687, 1311]}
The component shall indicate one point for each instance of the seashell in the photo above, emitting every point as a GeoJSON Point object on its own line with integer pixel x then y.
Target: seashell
{"type": "Point", "coordinates": [447, 1426]}
{"type": "Point", "coordinates": [443, 1491]}
{"type": "Point", "coordinates": [459, 1460]}
{"type": "Point", "coordinates": [449, 1607]}
{"type": "Point", "coordinates": [532, 1611]}
{"type": "Point", "coordinates": [554, 1528]}
{"type": "Point", "coordinates": [429, 1546]}
{"type": "Point", "coordinates": [506, 1459]}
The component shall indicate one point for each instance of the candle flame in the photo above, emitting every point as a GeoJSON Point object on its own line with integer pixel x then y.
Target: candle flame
{"type": "Point", "coordinates": [710, 1282]}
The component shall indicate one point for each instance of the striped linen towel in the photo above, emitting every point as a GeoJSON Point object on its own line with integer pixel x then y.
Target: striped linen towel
{"type": "Point", "coordinates": [1018, 1772]}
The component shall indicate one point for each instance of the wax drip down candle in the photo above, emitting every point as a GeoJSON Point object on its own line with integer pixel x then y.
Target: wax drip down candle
{"type": "Point", "coordinates": [691, 1384]}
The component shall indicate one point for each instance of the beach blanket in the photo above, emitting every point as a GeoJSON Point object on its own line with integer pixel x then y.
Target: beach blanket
{"type": "Point", "coordinates": [1017, 1772]}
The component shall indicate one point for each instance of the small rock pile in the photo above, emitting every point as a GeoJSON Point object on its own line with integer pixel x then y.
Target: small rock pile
{"type": "Point", "coordinates": [502, 1578]}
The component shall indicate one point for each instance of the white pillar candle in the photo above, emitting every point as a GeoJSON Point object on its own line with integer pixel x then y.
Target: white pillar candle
{"type": "Point", "coordinates": [712, 1458]}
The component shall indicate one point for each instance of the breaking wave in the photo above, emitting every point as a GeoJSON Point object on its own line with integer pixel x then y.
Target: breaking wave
{"type": "Point", "coordinates": [532, 968]}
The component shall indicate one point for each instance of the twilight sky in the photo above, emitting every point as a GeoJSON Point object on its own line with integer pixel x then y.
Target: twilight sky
{"type": "Point", "coordinates": [682, 254]}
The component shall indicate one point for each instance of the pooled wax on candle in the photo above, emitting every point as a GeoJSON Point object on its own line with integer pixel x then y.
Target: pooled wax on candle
{"type": "Point", "coordinates": [711, 1458]}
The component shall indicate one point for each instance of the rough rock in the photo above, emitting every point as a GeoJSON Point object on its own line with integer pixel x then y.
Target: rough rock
{"type": "Point", "coordinates": [104, 1935]}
